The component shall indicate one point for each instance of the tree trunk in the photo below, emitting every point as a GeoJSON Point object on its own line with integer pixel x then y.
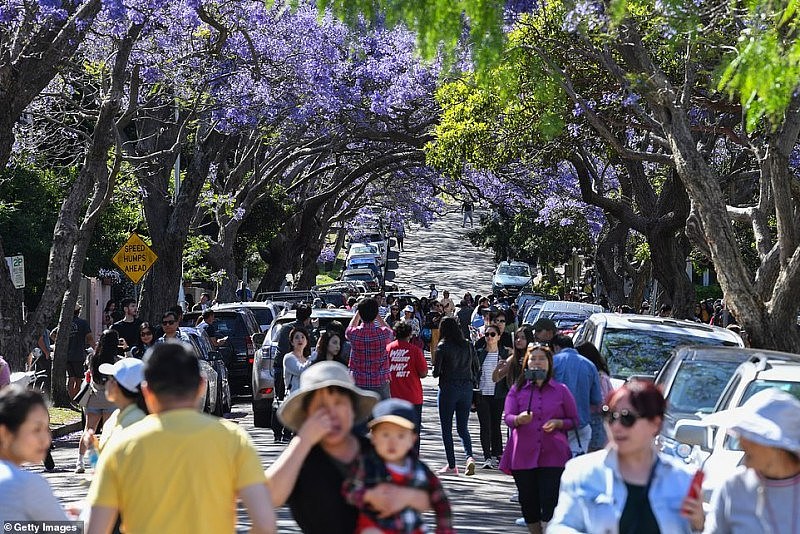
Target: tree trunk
{"type": "Point", "coordinates": [279, 256]}
{"type": "Point", "coordinates": [610, 253]}
{"type": "Point", "coordinates": [668, 253]}
{"type": "Point", "coordinates": [220, 257]}
{"type": "Point", "coordinates": [639, 277]}
{"type": "Point", "coordinates": [310, 269]}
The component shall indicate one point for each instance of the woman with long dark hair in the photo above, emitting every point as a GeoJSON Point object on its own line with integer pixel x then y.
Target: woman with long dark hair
{"type": "Point", "coordinates": [513, 368]}
{"type": "Point", "coordinates": [329, 347]}
{"type": "Point", "coordinates": [147, 339]}
{"type": "Point", "coordinates": [539, 410]}
{"type": "Point", "coordinates": [98, 407]}
{"type": "Point", "coordinates": [457, 368]}
{"type": "Point", "coordinates": [24, 439]}
{"type": "Point", "coordinates": [491, 396]}
{"type": "Point", "coordinates": [394, 314]}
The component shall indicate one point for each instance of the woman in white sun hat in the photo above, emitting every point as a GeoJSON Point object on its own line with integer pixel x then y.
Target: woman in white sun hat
{"type": "Point", "coordinates": [762, 495]}
{"type": "Point", "coordinates": [123, 388]}
{"type": "Point", "coordinates": [309, 474]}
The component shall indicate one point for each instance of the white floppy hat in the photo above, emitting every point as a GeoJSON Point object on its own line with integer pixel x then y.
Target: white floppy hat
{"type": "Point", "coordinates": [319, 376]}
{"type": "Point", "coordinates": [128, 372]}
{"type": "Point", "coordinates": [770, 417]}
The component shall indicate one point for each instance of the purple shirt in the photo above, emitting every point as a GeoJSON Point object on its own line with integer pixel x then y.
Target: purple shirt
{"type": "Point", "coordinates": [529, 446]}
{"type": "Point", "coordinates": [369, 361]}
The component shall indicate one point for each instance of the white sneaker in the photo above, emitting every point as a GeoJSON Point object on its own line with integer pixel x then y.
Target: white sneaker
{"type": "Point", "coordinates": [495, 463]}
{"type": "Point", "coordinates": [487, 464]}
{"type": "Point", "coordinates": [79, 466]}
{"type": "Point", "coordinates": [514, 498]}
{"type": "Point", "coordinates": [521, 522]}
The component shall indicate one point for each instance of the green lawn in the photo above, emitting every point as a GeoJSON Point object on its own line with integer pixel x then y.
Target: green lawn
{"type": "Point", "coordinates": [62, 416]}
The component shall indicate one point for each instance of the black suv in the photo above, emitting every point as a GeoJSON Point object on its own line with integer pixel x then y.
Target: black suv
{"type": "Point", "coordinates": [238, 325]}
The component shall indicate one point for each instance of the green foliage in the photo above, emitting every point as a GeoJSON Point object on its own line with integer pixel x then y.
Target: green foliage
{"type": "Point", "coordinates": [523, 238]}
{"type": "Point", "coordinates": [123, 216]}
{"type": "Point", "coordinates": [27, 221]}
{"type": "Point", "coordinates": [439, 24]}
{"type": "Point", "coordinates": [707, 292]}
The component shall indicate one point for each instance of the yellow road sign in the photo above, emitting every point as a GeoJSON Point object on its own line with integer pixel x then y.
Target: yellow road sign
{"type": "Point", "coordinates": [135, 258]}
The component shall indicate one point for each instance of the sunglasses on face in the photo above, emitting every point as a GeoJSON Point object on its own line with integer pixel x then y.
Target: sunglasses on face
{"type": "Point", "coordinates": [491, 334]}
{"type": "Point", "coordinates": [167, 323]}
{"type": "Point", "coordinates": [625, 417]}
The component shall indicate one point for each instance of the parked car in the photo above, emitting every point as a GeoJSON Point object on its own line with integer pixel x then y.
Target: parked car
{"type": "Point", "coordinates": [264, 311]}
{"type": "Point", "coordinates": [567, 315]}
{"type": "Point", "coordinates": [365, 249]}
{"type": "Point", "coordinates": [217, 400]}
{"type": "Point", "coordinates": [512, 277]}
{"type": "Point", "coordinates": [292, 297]}
{"type": "Point", "coordinates": [362, 275]}
{"type": "Point", "coordinates": [711, 447]}
{"type": "Point", "coordinates": [692, 381]}
{"type": "Point", "coordinates": [238, 324]}
{"type": "Point", "coordinates": [263, 376]}
{"type": "Point", "coordinates": [639, 345]}
{"type": "Point", "coordinates": [365, 262]}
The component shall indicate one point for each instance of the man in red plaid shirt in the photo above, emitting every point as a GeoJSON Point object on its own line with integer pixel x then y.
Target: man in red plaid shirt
{"type": "Point", "coordinates": [368, 335]}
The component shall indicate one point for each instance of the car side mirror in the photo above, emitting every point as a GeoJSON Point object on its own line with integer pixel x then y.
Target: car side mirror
{"type": "Point", "coordinates": [692, 433]}
{"type": "Point", "coordinates": [258, 339]}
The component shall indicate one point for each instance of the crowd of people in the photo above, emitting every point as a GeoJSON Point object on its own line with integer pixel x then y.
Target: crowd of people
{"type": "Point", "coordinates": [581, 455]}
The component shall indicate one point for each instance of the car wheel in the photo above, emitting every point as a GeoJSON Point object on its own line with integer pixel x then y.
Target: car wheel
{"type": "Point", "coordinates": [219, 406]}
{"type": "Point", "coordinates": [227, 405]}
{"type": "Point", "coordinates": [262, 413]}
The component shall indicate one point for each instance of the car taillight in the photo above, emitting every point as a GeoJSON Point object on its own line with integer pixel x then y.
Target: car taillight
{"type": "Point", "coordinates": [251, 350]}
{"type": "Point", "coordinates": [265, 391]}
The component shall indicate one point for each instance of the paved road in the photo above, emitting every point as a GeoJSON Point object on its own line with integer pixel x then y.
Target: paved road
{"type": "Point", "coordinates": [442, 255]}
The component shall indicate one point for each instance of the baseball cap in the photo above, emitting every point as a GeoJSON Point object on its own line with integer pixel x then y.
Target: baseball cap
{"type": "Point", "coordinates": [408, 309]}
{"type": "Point", "coordinates": [544, 324]}
{"type": "Point", "coordinates": [397, 411]}
{"type": "Point", "coordinates": [128, 372]}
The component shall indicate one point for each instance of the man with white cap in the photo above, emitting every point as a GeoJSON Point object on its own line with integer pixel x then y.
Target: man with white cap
{"type": "Point", "coordinates": [763, 495]}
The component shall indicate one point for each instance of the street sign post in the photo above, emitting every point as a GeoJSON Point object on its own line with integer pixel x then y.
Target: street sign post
{"type": "Point", "coordinates": [135, 258]}
{"type": "Point", "coordinates": [16, 266]}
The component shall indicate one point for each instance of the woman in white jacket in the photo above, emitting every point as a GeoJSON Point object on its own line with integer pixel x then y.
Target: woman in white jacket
{"type": "Point", "coordinates": [628, 487]}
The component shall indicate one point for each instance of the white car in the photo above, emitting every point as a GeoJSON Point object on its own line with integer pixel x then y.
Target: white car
{"type": "Point", "coordinates": [710, 447]}
{"type": "Point", "coordinates": [639, 345]}
{"type": "Point", "coordinates": [365, 249]}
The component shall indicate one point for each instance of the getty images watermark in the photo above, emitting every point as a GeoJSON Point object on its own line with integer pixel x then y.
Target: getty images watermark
{"type": "Point", "coordinates": [60, 527]}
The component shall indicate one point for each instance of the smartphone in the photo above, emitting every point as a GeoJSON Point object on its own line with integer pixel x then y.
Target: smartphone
{"type": "Point", "coordinates": [697, 485]}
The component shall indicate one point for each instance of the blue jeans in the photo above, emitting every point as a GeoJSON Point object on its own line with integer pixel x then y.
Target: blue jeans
{"type": "Point", "coordinates": [455, 398]}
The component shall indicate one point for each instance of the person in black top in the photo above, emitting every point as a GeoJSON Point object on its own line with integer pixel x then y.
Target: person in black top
{"type": "Point", "coordinates": [498, 319]}
{"type": "Point", "coordinates": [128, 326]}
{"type": "Point", "coordinates": [309, 474]}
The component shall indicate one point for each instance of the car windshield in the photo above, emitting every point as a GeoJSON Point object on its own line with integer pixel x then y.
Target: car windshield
{"type": "Point", "coordinates": [514, 270]}
{"type": "Point", "coordinates": [263, 315]}
{"type": "Point", "coordinates": [565, 320]}
{"type": "Point", "coordinates": [629, 352]}
{"type": "Point", "coordinates": [363, 249]}
{"type": "Point", "coordinates": [533, 313]}
{"type": "Point", "coordinates": [793, 388]}
{"type": "Point", "coordinates": [698, 384]}
{"type": "Point", "coordinates": [366, 277]}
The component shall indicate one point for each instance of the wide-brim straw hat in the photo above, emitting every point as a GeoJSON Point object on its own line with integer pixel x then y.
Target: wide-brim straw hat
{"type": "Point", "coordinates": [770, 417]}
{"type": "Point", "coordinates": [319, 376]}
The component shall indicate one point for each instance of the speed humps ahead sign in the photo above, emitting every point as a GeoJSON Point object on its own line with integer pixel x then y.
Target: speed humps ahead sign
{"type": "Point", "coordinates": [135, 258]}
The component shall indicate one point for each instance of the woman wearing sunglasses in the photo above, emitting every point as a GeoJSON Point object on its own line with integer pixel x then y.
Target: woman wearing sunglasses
{"type": "Point", "coordinates": [629, 487]}
{"type": "Point", "coordinates": [147, 339]}
{"type": "Point", "coordinates": [539, 411]}
{"type": "Point", "coordinates": [491, 396]}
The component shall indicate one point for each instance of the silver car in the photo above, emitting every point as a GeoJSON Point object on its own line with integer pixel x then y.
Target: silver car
{"type": "Point", "coordinates": [267, 354]}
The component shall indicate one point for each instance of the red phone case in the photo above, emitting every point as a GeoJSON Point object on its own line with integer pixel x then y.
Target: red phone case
{"type": "Point", "coordinates": [696, 485]}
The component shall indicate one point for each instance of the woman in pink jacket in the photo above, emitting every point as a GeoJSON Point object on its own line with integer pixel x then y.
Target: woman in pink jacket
{"type": "Point", "coordinates": [539, 411]}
